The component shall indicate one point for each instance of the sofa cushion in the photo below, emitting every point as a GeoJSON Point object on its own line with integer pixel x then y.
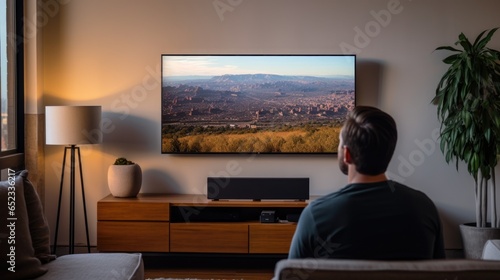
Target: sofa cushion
{"type": "Point", "coordinates": [39, 227]}
{"type": "Point", "coordinates": [15, 240]}
{"type": "Point", "coordinates": [96, 266]}
{"type": "Point", "coordinates": [386, 270]}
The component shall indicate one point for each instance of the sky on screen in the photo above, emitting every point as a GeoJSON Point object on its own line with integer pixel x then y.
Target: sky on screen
{"type": "Point", "coordinates": [322, 65]}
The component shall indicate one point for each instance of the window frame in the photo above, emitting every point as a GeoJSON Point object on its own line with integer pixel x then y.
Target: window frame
{"type": "Point", "coordinates": [14, 158]}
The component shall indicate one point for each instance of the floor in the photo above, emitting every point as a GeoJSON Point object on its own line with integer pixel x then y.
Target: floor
{"type": "Point", "coordinates": [210, 267]}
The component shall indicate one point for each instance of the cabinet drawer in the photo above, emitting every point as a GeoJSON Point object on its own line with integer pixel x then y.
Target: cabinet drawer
{"type": "Point", "coordinates": [132, 236]}
{"type": "Point", "coordinates": [271, 238]}
{"type": "Point", "coordinates": [209, 237]}
{"type": "Point", "coordinates": [132, 211]}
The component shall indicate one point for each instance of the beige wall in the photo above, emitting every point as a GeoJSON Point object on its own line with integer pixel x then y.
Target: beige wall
{"type": "Point", "coordinates": [108, 53]}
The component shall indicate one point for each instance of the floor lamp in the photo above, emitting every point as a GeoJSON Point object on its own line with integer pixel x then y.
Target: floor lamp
{"type": "Point", "coordinates": [72, 126]}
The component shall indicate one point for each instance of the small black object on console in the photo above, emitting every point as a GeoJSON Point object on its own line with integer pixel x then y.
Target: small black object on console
{"type": "Point", "coordinates": [268, 216]}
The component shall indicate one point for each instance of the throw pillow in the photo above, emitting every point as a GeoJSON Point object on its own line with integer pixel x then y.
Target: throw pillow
{"type": "Point", "coordinates": [17, 253]}
{"type": "Point", "coordinates": [39, 227]}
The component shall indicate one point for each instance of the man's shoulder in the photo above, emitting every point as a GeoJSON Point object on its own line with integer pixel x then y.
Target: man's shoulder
{"type": "Point", "coordinates": [412, 193]}
{"type": "Point", "coordinates": [349, 191]}
{"type": "Point", "coordinates": [404, 188]}
{"type": "Point", "coordinates": [330, 200]}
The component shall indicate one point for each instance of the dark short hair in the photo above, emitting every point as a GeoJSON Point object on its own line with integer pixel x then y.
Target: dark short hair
{"type": "Point", "coordinates": [371, 136]}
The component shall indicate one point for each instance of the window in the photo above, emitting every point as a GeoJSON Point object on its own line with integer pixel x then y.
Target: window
{"type": "Point", "coordinates": [11, 85]}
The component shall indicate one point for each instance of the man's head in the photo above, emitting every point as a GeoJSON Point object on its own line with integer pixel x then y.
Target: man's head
{"type": "Point", "coordinates": [369, 135]}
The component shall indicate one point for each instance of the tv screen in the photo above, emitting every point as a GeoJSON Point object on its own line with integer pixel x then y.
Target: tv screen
{"type": "Point", "coordinates": [263, 104]}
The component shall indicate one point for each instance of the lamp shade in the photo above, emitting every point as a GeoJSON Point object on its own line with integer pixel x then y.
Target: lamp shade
{"type": "Point", "coordinates": [72, 125]}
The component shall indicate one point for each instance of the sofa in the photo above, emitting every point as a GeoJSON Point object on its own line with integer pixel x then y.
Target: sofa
{"type": "Point", "coordinates": [25, 243]}
{"type": "Point", "coordinates": [109, 266]}
{"type": "Point", "coordinates": [451, 269]}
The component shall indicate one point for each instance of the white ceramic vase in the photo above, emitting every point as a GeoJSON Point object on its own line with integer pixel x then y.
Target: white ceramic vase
{"type": "Point", "coordinates": [124, 180]}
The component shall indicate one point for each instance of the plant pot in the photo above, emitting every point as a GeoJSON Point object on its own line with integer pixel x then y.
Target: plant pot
{"type": "Point", "coordinates": [124, 180]}
{"type": "Point", "coordinates": [474, 238]}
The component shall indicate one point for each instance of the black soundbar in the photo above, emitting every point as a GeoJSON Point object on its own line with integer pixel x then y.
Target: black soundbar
{"type": "Point", "coordinates": [257, 188]}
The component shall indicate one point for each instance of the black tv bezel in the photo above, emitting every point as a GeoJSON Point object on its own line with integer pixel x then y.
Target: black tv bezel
{"type": "Point", "coordinates": [354, 56]}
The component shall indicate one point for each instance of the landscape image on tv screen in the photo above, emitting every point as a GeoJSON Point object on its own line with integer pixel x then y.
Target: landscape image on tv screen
{"type": "Point", "coordinates": [265, 104]}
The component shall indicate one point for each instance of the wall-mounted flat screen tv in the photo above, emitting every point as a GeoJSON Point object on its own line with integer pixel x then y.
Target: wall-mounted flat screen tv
{"type": "Point", "coordinates": [255, 104]}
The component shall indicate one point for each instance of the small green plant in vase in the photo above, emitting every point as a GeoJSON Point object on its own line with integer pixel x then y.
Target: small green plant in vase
{"type": "Point", "coordinates": [123, 161]}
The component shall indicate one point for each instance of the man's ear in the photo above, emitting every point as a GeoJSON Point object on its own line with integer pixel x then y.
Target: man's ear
{"type": "Point", "coordinates": [347, 155]}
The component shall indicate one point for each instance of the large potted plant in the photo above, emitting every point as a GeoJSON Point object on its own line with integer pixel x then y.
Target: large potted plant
{"type": "Point", "coordinates": [468, 106]}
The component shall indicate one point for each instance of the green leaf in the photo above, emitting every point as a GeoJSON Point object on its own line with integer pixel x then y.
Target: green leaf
{"type": "Point", "coordinates": [478, 38]}
{"type": "Point", "coordinates": [487, 134]}
{"type": "Point", "coordinates": [449, 48]}
{"type": "Point", "coordinates": [468, 119]}
{"type": "Point", "coordinates": [451, 59]}
{"type": "Point", "coordinates": [464, 42]}
{"type": "Point", "coordinates": [481, 44]}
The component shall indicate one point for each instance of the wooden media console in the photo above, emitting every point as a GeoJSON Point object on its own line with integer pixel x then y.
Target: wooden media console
{"type": "Point", "coordinates": [183, 223]}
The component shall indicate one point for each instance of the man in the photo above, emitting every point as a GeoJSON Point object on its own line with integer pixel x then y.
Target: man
{"type": "Point", "coordinates": [372, 217]}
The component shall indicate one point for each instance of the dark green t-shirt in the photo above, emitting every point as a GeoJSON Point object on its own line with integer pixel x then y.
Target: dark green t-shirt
{"type": "Point", "coordinates": [383, 220]}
